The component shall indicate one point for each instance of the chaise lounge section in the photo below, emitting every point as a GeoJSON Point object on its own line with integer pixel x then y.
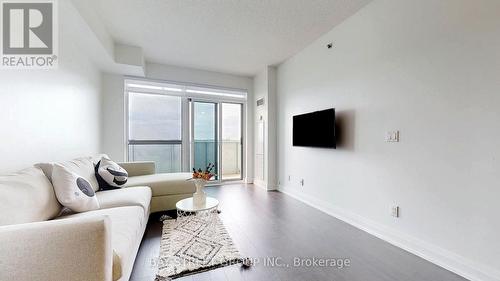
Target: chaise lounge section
{"type": "Point", "coordinates": [167, 188]}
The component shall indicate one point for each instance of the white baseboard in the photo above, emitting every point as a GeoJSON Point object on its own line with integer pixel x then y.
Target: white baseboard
{"type": "Point", "coordinates": [264, 185]}
{"type": "Point", "coordinates": [248, 180]}
{"type": "Point", "coordinates": [441, 257]}
{"type": "Point", "coordinates": [260, 183]}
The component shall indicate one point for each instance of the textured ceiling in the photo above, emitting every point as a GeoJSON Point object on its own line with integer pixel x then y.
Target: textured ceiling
{"type": "Point", "coordinates": [232, 36]}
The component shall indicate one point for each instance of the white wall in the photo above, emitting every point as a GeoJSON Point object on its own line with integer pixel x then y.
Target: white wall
{"type": "Point", "coordinates": [260, 113]}
{"type": "Point", "coordinates": [431, 70]}
{"type": "Point", "coordinates": [49, 115]}
{"type": "Point", "coordinates": [196, 76]}
{"type": "Point", "coordinates": [114, 110]}
{"type": "Point", "coordinates": [265, 158]}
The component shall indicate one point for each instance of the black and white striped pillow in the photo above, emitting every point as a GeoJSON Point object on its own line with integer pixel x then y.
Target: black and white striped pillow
{"type": "Point", "coordinates": [110, 175]}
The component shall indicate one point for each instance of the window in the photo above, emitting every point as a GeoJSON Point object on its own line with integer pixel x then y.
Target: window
{"type": "Point", "coordinates": [231, 130]}
{"type": "Point", "coordinates": [180, 126]}
{"type": "Point", "coordinates": [155, 130]}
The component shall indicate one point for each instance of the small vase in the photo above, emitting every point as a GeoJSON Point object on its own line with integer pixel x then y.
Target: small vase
{"type": "Point", "coordinates": [199, 197]}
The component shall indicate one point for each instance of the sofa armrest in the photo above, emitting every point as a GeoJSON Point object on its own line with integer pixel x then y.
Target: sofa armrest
{"type": "Point", "coordinates": [142, 168]}
{"type": "Point", "coordinates": [63, 249]}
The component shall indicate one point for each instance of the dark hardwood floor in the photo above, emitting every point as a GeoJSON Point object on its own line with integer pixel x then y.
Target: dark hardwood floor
{"type": "Point", "coordinates": [272, 224]}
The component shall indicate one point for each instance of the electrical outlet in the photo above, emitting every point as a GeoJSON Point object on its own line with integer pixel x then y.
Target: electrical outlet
{"type": "Point", "coordinates": [395, 211]}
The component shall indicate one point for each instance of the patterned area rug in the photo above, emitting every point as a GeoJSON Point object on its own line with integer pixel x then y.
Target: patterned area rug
{"type": "Point", "coordinates": [192, 246]}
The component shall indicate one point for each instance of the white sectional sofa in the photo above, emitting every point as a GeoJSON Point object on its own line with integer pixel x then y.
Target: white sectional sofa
{"type": "Point", "coordinates": [167, 188]}
{"type": "Point", "coordinates": [38, 243]}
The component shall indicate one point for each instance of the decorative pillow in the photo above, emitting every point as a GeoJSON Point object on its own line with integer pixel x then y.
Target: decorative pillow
{"type": "Point", "coordinates": [109, 174]}
{"type": "Point", "coordinates": [83, 166]}
{"type": "Point", "coordinates": [73, 191]}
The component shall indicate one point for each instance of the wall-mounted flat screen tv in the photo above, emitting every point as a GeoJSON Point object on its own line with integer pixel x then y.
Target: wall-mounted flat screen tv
{"type": "Point", "coordinates": [315, 129]}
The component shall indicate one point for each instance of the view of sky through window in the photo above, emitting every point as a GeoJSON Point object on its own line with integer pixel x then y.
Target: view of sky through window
{"type": "Point", "coordinates": [154, 117]}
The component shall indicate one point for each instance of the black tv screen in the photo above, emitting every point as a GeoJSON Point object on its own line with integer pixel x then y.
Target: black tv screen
{"type": "Point", "coordinates": [315, 129]}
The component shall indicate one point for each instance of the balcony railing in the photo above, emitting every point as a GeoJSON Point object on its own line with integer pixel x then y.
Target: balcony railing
{"type": "Point", "coordinates": [168, 155]}
{"type": "Point", "coordinates": [205, 151]}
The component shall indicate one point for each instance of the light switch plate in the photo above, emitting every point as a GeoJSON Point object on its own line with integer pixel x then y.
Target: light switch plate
{"type": "Point", "coordinates": [395, 211]}
{"type": "Point", "coordinates": [392, 136]}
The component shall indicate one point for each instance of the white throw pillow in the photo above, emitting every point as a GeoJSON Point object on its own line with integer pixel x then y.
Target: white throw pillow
{"type": "Point", "coordinates": [83, 166]}
{"type": "Point", "coordinates": [110, 175]}
{"type": "Point", "coordinates": [73, 191]}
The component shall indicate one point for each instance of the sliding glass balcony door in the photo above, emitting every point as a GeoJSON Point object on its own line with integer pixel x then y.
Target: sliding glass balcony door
{"type": "Point", "coordinates": [205, 149]}
{"type": "Point", "coordinates": [216, 137]}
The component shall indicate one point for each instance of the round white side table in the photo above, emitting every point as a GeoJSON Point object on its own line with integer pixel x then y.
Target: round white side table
{"type": "Point", "coordinates": [186, 209]}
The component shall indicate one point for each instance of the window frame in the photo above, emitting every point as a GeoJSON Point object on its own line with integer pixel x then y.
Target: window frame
{"type": "Point", "coordinates": [186, 93]}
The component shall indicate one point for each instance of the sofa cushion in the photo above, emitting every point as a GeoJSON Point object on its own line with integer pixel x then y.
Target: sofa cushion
{"type": "Point", "coordinates": [127, 228]}
{"type": "Point", "coordinates": [164, 184]}
{"type": "Point", "coordinates": [139, 168]}
{"type": "Point", "coordinates": [133, 196]}
{"type": "Point", "coordinates": [83, 166]}
{"type": "Point", "coordinates": [27, 196]}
